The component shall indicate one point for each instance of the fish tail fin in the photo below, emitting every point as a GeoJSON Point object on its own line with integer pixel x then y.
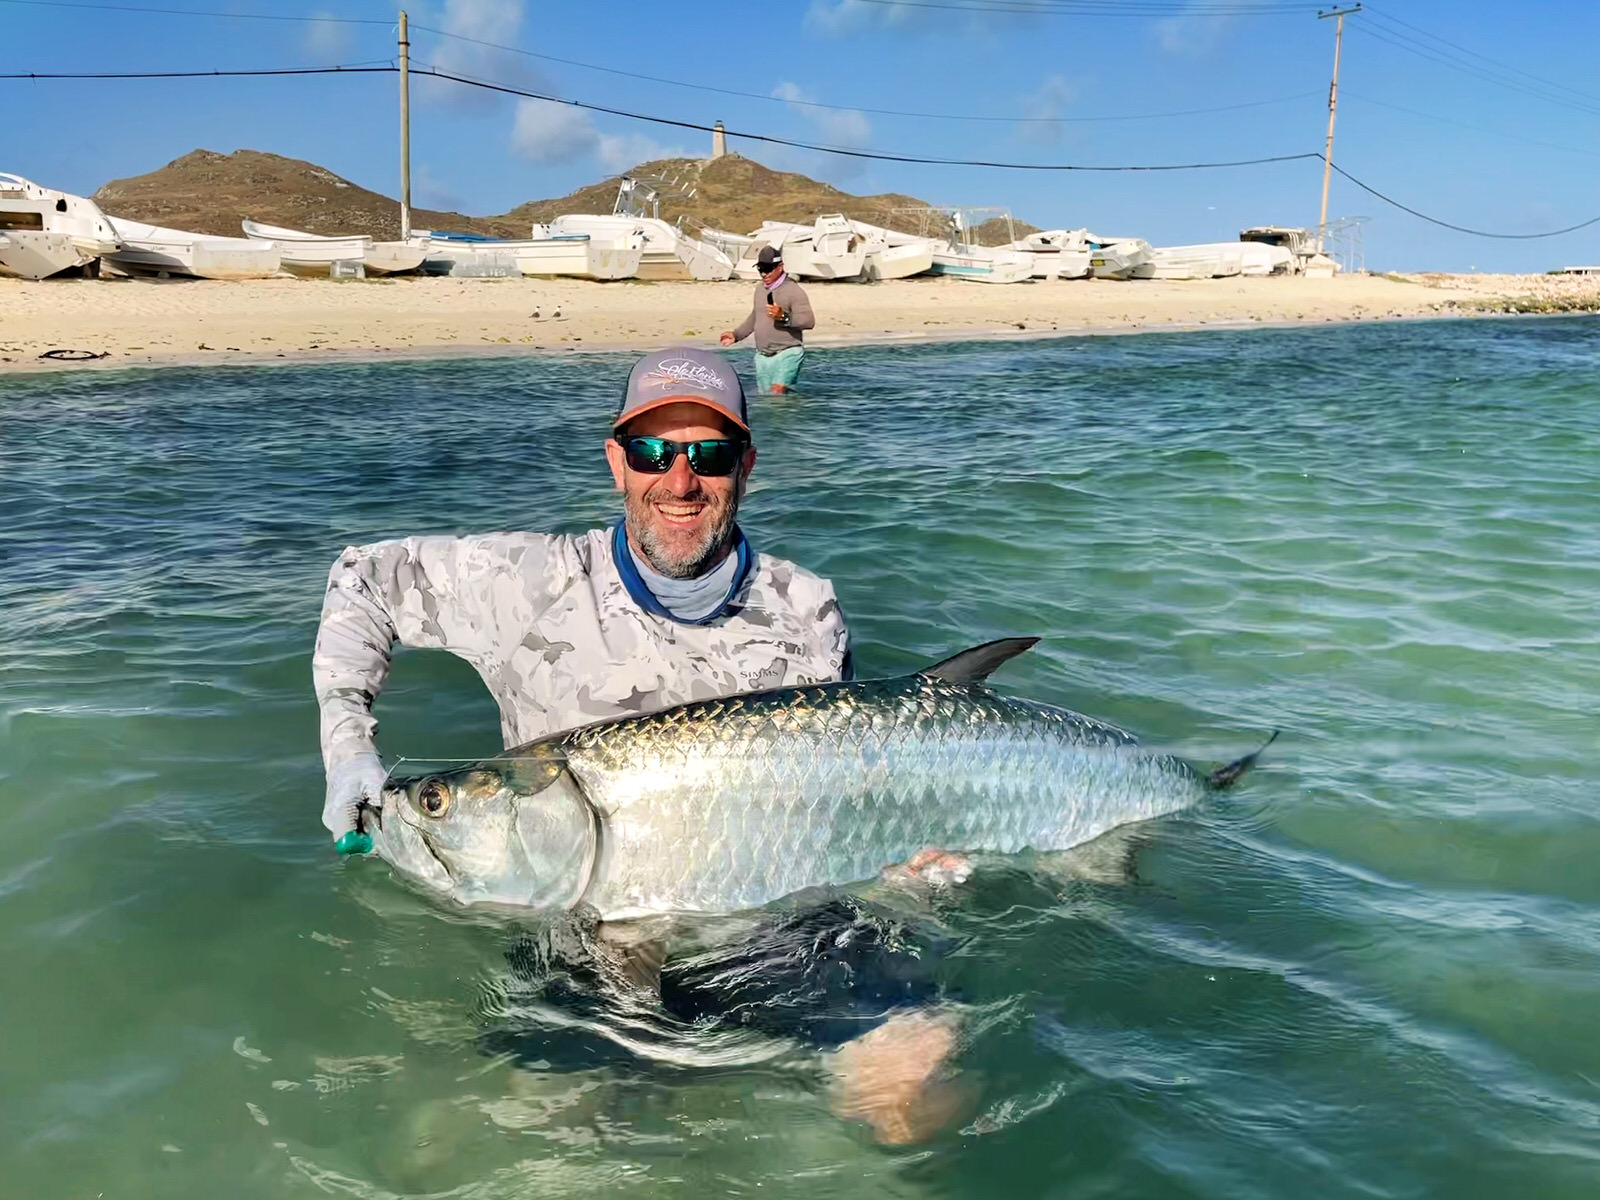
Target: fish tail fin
{"type": "Point", "coordinates": [1228, 775]}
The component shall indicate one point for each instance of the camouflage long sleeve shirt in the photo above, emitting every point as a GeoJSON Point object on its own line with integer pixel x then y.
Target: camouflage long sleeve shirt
{"type": "Point", "coordinates": [550, 627]}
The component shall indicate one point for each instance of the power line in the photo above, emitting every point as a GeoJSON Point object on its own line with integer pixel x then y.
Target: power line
{"type": "Point", "coordinates": [880, 112]}
{"type": "Point", "coordinates": [1444, 58]}
{"type": "Point", "coordinates": [1111, 8]}
{"type": "Point", "coordinates": [189, 12]}
{"type": "Point", "coordinates": [1514, 237]}
{"type": "Point", "coordinates": [1384, 16]}
{"type": "Point", "coordinates": [849, 152]}
{"type": "Point", "coordinates": [881, 156]}
{"type": "Point", "coordinates": [1345, 94]}
{"type": "Point", "coordinates": [352, 69]}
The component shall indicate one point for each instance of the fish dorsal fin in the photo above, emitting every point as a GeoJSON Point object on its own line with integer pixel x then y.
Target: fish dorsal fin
{"type": "Point", "coordinates": [975, 665]}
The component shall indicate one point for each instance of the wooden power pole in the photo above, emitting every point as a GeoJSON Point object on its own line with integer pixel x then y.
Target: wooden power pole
{"type": "Point", "coordinates": [405, 133]}
{"type": "Point", "coordinates": [1333, 109]}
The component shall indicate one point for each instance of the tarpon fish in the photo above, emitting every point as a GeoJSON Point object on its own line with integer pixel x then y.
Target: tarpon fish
{"type": "Point", "coordinates": [729, 804]}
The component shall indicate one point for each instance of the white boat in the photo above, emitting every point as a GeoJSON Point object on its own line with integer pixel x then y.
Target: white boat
{"type": "Point", "coordinates": [35, 254]}
{"type": "Point", "coordinates": [1305, 247]}
{"type": "Point", "coordinates": [156, 250]}
{"type": "Point", "coordinates": [57, 231]}
{"type": "Point", "coordinates": [892, 254]}
{"type": "Point", "coordinates": [885, 253]}
{"type": "Point", "coordinates": [1211, 260]}
{"type": "Point", "coordinates": [397, 258]}
{"type": "Point", "coordinates": [981, 264]}
{"type": "Point", "coordinates": [314, 254]}
{"type": "Point", "coordinates": [1259, 258]}
{"type": "Point", "coordinates": [1057, 253]}
{"type": "Point", "coordinates": [473, 255]}
{"type": "Point", "coordinates": [959, 256]}
{"type": "Point", "coordinates": [831, 250]}
{"type": "Point", "coordinates": [1117, 259]}
{"type": "Point", "coordinates": [666, 252]}
{"type": "Point", "coordinates": [898, 262]}
{"type": "Point", "coordinates": [578, 256]}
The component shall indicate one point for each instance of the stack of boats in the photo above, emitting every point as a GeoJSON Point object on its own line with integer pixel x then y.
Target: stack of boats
{"type": "Point", "coordinates": [45, 232]}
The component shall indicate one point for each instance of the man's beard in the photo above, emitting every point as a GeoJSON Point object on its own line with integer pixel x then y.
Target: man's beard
{"type": "Point", "coordinates": [695, 559]}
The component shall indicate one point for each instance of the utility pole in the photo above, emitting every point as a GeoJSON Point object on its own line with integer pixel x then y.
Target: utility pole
{"type": "Point", "coordinates": [405, 132]}
{"type": "Point", "coordinates": [1333, 109]}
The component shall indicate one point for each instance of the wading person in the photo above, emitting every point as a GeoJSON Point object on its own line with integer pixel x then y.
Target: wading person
{"type": "Point", "coordinates": [779, 318]}
{"type": "Point", "coordinates": [669, 604]}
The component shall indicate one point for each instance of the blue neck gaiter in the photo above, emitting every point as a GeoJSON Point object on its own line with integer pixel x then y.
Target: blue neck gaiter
{"type": "Point", "coordinates": [697, 601]}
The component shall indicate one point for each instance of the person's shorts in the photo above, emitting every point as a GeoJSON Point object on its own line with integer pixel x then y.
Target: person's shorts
{"type": "Point", "coordinates": [821, 975]}
{"type": "Point", "coordinates": [780, 368]}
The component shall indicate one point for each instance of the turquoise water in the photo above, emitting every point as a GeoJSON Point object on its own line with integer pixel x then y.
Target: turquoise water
{"type": "Point", "coordinates": [1373, 970]}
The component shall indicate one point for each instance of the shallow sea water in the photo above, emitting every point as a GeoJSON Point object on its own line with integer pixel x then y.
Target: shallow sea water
{"type": "Point", "coordinates": [1373, 970]}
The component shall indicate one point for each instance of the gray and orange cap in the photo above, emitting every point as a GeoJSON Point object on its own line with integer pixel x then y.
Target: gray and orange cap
{"type": "Point", "coordinates": [684, 375]}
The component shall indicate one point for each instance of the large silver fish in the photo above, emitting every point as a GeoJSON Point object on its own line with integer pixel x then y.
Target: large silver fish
{"type": "Point", "coordinates": [729, 804]}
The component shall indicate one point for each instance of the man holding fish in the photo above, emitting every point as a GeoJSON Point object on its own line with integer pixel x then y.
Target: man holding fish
{"type": "Point", "coordinates": [669, 605]}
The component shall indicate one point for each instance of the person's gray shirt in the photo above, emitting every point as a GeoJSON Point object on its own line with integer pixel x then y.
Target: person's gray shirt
{"type": "Point", "coordinates": [772, 337]}
{"type": "Point", "coordinates": [549, 625]}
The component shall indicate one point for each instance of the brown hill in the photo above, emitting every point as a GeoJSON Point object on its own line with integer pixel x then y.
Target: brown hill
{"type": "Point", "coordinates": [211, 193]}
{"type": "Point", "coordinates": [733, 193]}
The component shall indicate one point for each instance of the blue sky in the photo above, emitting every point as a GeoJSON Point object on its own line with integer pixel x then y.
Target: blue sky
{"type": "Point", "coordinates": [1485, 115]}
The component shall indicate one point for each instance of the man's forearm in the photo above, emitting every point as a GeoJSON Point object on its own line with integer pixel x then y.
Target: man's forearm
{"type": "Point", "coordinates": [350, 663]}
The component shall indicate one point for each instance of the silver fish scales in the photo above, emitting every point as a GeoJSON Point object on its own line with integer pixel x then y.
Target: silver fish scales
{"type": "Point", "coordinates": [728, 804]}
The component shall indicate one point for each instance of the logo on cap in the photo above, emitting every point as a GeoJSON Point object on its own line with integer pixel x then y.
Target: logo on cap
{"type": "Point", "coordinates": [670, 372]}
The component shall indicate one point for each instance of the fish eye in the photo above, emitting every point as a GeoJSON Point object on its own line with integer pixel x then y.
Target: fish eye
{"type": "Point", "coordinates": [433, 797]}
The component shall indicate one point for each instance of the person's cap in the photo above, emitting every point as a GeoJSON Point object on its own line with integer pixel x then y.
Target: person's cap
{"type": "Point", "coordinates": [684, 375]}
{"type": "Point", "coordinates": [768, 258]}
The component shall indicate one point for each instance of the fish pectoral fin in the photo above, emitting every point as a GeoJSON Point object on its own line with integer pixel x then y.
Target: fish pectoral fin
{"type": "Point", "coordinates": [1227, 776]}
{"type": "Point", "coordinates": [976, 664]}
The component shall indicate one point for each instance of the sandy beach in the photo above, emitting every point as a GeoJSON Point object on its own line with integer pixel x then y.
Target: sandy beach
{"type": "Point", "coordinates": [168, 322]}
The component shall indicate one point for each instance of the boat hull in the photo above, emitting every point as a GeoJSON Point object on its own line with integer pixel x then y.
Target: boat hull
{"type": "Point", "coordinates": [1119, 259]}
{"type": "Point", "coordinates": [40, 217]}
{"type": "Point", "coordinates": [898, 262]}
{"type": "Point", "coordinates": [36, 254]}
{"type": "Point", "coordinates": [983, 268]}
{"type": "Point", "coordinates": [394, 258]}
{"type": "Point", "coordinates": [581, 259]}
{"type": "Point", "coordinates": [155, 250]}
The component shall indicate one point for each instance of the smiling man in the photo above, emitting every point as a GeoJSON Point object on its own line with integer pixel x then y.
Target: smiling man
{"type": "Point", "coordinates": [669, 604]}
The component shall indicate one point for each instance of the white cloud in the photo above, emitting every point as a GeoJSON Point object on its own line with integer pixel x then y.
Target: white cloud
{"type": "Point", "coordinates": [1044, 110]}
{"type": "Point", "coordinates": [847, 128]}
{"type": "Point", "coordinates": [484, 21]}
{"type": "Point", "coordinates": [325, 39]}
{"type": "Point", "coordinates": [619, 152]}
{"type": "Point", "coordinates": [849, 16]}
{"type": "Point", "coordinates": [551, 133]}
{"type": "Point", "coordinates": [1194, 34]}
{"type": "Point", "coordinates": [546, 132]}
